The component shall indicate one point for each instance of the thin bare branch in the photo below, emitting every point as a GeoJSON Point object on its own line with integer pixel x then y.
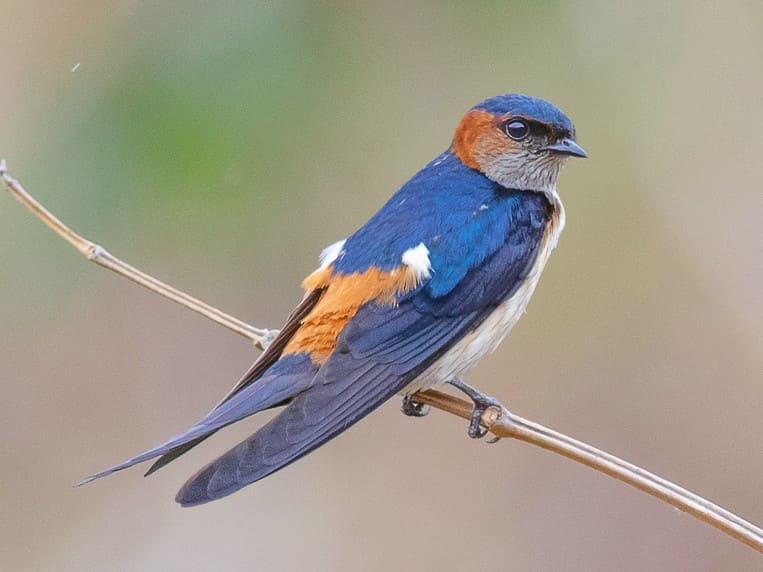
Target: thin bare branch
{"type": "Point", "coordinates": [502, 423]}
{"type": "Point", "coordinates": [102, 257]}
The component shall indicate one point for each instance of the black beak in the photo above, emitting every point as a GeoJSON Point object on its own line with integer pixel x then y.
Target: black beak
{"type": "Point", "coordinates": [567, 146]}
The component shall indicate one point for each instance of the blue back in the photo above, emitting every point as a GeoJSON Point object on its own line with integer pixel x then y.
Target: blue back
{"type": "Point", "coordinates": [457, 212]}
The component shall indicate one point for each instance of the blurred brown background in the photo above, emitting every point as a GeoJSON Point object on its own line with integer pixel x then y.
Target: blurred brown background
{"type": "Point", "coordinates": [220, 146]}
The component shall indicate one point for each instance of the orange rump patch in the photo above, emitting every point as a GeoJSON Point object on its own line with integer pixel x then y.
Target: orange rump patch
{"type": "Point", "coordinates": [343, 296]}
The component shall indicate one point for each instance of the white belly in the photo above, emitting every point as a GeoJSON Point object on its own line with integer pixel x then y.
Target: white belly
{"type": "Point", "coordinates": [489, 334]}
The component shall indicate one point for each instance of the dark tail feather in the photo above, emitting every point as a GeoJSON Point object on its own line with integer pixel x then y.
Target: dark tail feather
{"type": "Point", "coordinates": [326, 409]}
{"type": "Point", "coordinates": [180, 450]}
{"type": "Point", "coordinates": [194, 435]}
{"type": "Point", "coordinates": [174, 453]}
{"type": "Point", "coordinates": [267, 392]}
{"type": "Point", "coordinates": [263, 364]}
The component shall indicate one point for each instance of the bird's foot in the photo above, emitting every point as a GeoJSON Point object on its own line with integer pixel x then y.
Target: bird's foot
{"type": "Point", "coordinates": [482, 403]}
{"type": "Point", "coordinates": [412, 408]}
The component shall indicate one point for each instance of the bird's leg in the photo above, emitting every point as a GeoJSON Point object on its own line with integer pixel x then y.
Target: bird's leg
{"type": "Point", "coordinates": [412, 408]}
{"type": "Point", "coordinates": [481, 403]}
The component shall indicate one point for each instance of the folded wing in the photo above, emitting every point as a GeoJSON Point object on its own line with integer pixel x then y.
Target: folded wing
{"type": "Point", "coordinates": [381, 350]}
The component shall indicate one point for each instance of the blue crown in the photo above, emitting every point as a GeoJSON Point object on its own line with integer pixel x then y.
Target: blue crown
{"type": "Point", "coordinates": [530, 107]}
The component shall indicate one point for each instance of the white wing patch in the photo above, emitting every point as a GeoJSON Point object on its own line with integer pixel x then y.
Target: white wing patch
{"type": "Point", "coordinates": [331, 253]}
{"type": "Point", "coordinates": [417, 259]}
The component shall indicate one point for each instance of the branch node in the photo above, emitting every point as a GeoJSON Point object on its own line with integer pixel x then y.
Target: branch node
{"type": "Point", "coordinates": [267, 338]}
{"type": "Point", "coordinates": [95, 252]}
{"type": "Point", "coordinates": [492, 416]}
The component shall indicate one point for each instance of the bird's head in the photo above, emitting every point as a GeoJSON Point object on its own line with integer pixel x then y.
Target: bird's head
{"type": "Point", "coordinates": [518, 141]}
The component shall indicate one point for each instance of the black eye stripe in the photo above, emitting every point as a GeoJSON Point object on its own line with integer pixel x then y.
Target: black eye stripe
{"type": "Point", "coordinates": [517, 129]}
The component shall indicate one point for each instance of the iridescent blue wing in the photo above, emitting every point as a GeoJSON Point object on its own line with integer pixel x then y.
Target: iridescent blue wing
{"type": "Point", "coordinates": [381, 350]}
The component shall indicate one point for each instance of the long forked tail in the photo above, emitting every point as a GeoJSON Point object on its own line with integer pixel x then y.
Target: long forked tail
{"type": "Point", "coordinates": [333, 403]}
{"type": "Point", "coordinates": [268, 391]}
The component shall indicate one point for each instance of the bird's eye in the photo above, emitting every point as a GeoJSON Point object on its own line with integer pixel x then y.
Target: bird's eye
{"type": "Point", "coordinates": [517, 129]}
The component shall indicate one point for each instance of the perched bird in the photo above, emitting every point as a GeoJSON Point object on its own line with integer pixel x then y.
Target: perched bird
{"type": "Point", "coordinates": [412, 299]}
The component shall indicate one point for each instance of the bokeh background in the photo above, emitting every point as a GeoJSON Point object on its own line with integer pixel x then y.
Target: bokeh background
{"type": "Point", "coordinates": [220, 146]}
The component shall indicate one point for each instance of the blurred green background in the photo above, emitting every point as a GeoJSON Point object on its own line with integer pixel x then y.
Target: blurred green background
{"type": "Point", "coordinates": [220, 146]}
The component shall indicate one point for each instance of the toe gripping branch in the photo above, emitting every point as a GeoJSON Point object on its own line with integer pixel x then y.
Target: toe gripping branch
{"type": "Point", "coordinates": [412, 408]}
{"type": "Point", "coordinates": [482, 403]}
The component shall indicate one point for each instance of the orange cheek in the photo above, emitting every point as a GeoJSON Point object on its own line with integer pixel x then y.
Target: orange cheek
{"type": "Point", "coordinates": [469, 129]}
{"type": "Point", "coordinates": [344, 295]}
{"type": "Point", "coordinates": [478, 139]}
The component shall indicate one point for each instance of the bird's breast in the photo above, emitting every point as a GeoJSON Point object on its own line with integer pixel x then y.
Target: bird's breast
{"type": "Point", "coordinates": [486, 337]}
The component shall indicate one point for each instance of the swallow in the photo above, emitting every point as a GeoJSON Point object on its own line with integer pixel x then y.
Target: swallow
{"type": "Point", "coordinates": [412, 299]}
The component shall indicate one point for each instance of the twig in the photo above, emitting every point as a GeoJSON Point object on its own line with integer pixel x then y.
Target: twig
{"type": "Point", "coordinates": [102, 257]}
{"type": "Point", "coordinates": [502, 423]}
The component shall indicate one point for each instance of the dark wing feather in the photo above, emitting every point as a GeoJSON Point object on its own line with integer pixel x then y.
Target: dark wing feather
{"type": "Point", "coordinates": [273, 351]}
{"type": "Point", "coordinates": [381, 350]}
{"type": "Point", "coordinates": [271, 354]}
{"type": "Point", "coordinates": [270, 390]}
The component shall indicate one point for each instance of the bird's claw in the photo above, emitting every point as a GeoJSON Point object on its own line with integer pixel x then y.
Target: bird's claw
{"type": "Point", "coordinates": [481, 404]}
{"type": "Point", "coordinates": [412, 408]}
{"type": "Point", "coordinates": [476, 430]}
